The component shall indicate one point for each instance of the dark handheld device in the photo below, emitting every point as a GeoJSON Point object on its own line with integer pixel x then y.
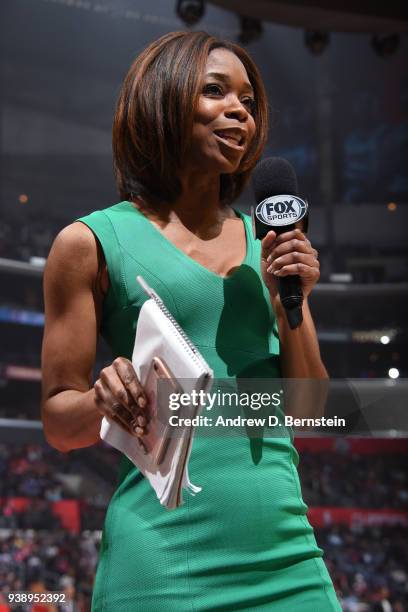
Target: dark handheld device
{"type": "Point", "coordinates": [279, 208]}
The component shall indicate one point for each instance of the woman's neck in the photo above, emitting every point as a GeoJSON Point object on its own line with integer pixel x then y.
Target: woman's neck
{"type": "Point", "coordinates": [198, 207]}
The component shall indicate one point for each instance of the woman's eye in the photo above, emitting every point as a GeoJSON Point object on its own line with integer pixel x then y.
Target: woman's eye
{"type": "Point", "coordinates": [250, 104]}
{"type": "Point", "coordinates": [212, 89]}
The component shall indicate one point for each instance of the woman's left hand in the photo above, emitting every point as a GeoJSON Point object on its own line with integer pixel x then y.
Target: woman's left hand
{"type": "Point", "coordinates": [285, 254]}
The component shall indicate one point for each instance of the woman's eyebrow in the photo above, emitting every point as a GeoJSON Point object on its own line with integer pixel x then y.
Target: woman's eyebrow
{"type": "Point", "coordinates": [224, 77]}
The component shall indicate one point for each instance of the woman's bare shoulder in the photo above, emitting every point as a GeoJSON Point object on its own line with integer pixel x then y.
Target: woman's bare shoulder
{"type": "Point", "coordinates": [76, 236]}
{"type": "Point", "coordinates": [74, 253]}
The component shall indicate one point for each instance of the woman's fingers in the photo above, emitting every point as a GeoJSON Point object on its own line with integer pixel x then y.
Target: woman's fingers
{"type": "Point", "coordinates": [117, 390]}
{"type": "Point", "coordinates": [110, 407]}
{"type": "Point", "coordinates": [119, 413]}
{"type": "Point", "coordinates": [310, 273]}
{"type": "Point", "coordinates": [267, 243]}
{"type": "Point", "coordinates": [121, 397]}
{"type": "Point", "coordinates": [290, 253]}
{"type": "Point", "coordinates": [289, 246]}
{"type": "Point", "coordinates": [293, 234]}
{"type": "Point", "coordinates": [130, 381]}
{"type": "Point", "coordinates": [293, 258]}
{"type": "Point", "coordinates": [294, 245]}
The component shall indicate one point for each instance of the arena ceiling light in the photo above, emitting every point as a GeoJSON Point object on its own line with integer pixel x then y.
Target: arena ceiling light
{"type": "Point", "coordinates": [316, 41]}
{"type": "Point", "coordinates": [377, 336]}
{"type": "Point", "coordinates": [190, 11]}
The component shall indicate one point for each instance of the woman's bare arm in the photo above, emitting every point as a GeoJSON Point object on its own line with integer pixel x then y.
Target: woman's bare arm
{"type": "Point", "coordinates": [300, 353]}
{"type": "Point", "coordinates": [70, 414]}
{"type": "Point", "coordinates": [301, 364]}
{"type": "Point", "coordinates": [72, 409]}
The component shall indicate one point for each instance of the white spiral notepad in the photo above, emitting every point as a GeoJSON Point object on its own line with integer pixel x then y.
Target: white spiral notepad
{"type": "Point", "coordinates": [159, 335]}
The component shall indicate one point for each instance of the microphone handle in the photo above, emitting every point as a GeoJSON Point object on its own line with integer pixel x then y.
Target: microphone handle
{"type": "Point", "coordinates": [290, 287]}
{"type": "Point", "coordinates": [290, 291]}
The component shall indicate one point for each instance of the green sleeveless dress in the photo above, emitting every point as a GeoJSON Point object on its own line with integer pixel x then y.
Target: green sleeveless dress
{"type": "Point", "coordinates": [243, 542]}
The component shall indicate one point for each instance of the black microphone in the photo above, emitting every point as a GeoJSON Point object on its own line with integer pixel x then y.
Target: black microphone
{"type": "Point", "coordinates": [279, 208]}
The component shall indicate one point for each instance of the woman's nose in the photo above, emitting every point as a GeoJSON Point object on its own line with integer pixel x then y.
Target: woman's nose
{"type": "Point", "coordinates": [236, 110]}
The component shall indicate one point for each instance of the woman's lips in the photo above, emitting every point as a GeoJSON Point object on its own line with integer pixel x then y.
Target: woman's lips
{"type": "Point", "coordinates": [231, 140]}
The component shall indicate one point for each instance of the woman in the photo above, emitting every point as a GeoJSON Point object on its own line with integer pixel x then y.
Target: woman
{"type": "Point", "coordinates": [190, 124]}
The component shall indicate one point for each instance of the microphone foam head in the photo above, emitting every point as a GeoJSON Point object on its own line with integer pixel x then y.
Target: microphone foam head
{"type": "Point", "coordinates": [274, 176]}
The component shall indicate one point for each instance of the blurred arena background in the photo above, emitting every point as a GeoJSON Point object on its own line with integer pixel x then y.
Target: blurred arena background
{"type": "Point", "coordinates": [337, 79]}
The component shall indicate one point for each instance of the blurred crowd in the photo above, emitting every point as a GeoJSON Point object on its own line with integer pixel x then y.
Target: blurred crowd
{"type": "Point", "coordinates": [327, 478]}
{"type": "Point", "coordinates": [32, 470]}
{"type": "Point", "coordinates": [367, 565]}
{"type": "Point", "coordinates": [44, 475]}
{"type": "Point", "coordinates": [30, 411]}
{"type": "Point", "coordinates": [37, 514]}
{"type": "Point", "coordinates": [41, 561]}
{"type": "Point", "coordinates": [25, 237]}
{"type": "Point", "coordinates": [364, 481]}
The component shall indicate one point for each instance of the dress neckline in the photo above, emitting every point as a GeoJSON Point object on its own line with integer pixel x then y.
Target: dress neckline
{"type": "Point", "coordinates": [193, 262]}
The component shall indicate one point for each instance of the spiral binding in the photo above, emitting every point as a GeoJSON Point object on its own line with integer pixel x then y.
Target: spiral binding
{"type": "Point", "coordinates": [153, 295]}
{"type": "Point", "coordinates": [180, 330]}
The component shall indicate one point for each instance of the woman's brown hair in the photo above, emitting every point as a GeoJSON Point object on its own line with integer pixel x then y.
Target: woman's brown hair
{"type": "Point", "coordinates": [154, 117]}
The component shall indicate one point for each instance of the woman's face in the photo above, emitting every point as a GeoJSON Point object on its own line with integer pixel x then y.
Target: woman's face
{"type": "Point", "coordinates": [223, 122]}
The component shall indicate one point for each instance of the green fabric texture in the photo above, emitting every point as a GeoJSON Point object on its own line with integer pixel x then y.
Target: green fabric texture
{"type": "Point", "coordinates": [243, 542]}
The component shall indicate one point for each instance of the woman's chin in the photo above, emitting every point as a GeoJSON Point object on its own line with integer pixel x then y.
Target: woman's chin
{"type": "Point", "coordinates": [215, 165]}
{"type": "Point", "coordinates": [224, 165]}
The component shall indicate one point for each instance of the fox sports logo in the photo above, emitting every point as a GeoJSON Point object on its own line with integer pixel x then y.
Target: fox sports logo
{"type": "Point", "coordinates": [281, 210]}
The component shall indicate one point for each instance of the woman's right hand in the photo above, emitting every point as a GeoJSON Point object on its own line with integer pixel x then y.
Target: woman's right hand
{"type": "Point", "coordinates": [120, 396]}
